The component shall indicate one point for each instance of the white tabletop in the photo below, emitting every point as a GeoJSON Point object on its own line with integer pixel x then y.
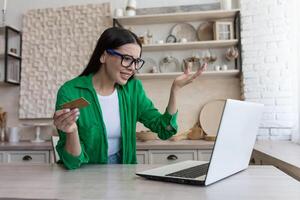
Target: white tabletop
{"type": "Point", "coordinates": [120, 182]}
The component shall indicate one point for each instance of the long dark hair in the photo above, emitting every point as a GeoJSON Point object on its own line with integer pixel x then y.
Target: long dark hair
{"type": "Point", "coordinates": [111, 38]}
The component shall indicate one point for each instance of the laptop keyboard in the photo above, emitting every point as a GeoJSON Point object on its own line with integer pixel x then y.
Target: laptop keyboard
{"type": "Point", "coordinates": [192, 172]}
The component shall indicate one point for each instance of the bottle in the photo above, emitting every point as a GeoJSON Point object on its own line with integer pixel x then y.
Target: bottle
{"type": "Point", "coordinates": [3, 118]}
{"type": "Point", "coordinates": [131, 8]}
{"type": "Point", "coordinates": [2, 135]}
{"type": "Point", "coordinates": [149, 37]}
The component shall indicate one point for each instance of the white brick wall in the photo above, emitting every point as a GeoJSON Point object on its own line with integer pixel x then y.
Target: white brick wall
{"type": "Point", "coordinates": [268, 70]}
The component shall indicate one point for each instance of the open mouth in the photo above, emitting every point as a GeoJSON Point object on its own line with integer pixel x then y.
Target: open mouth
{"type": "Point", "coordinates": [125, 75]}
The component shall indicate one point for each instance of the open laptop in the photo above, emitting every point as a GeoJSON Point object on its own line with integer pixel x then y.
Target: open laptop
{"type": "Point", "coordinates": [231, 152]}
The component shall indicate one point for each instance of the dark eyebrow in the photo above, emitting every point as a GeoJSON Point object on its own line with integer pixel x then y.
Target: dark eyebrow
{"type": "Point", "coordinates": [128, 55]}
{"type": "Point", "coordinates": [117, 51]}
{"type": "Point", "coordinates": [132, 56]}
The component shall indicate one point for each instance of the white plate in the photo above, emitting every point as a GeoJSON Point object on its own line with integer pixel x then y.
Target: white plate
{"type": "Point", "coordinates": [184, 30]}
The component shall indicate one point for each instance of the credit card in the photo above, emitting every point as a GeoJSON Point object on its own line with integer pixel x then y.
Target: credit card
{"type": "Point", "coordinates": [77, 103]}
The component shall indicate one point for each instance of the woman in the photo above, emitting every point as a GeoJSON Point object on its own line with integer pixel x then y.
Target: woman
{"type": "Point", "coordinates": [105, 131]}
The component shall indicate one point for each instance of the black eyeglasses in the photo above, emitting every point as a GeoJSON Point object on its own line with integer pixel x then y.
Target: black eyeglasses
{"type": "Point", "coordinates": [127, 60]}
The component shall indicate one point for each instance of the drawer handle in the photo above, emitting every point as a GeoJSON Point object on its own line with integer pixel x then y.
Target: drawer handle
{"type": "Point", "coordinates": [172, 157]}
{"type": "Point", "coordinates": [27, 158]}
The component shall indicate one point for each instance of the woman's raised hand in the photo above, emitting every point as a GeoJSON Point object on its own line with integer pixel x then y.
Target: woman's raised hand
{"type": "Point", "coordinates": [187, 77]}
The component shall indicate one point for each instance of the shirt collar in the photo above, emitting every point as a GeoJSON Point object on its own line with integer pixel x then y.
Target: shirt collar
{"type": "Point", "coordinates": [85, 81]}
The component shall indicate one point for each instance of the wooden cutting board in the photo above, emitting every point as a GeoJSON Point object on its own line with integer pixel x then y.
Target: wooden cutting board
{"type": "Point", "coordinates": [210, 116]}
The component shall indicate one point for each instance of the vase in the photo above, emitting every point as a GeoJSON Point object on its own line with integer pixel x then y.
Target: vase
{"type": "Point", "coordinates": [225, 4]}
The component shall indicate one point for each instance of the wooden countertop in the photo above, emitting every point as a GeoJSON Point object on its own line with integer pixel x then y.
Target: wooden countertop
{"type": "Point", "coordinates": [285, 155]}
{"type": "Point", "coordinates": [154, 144]}
{"type": "Point", "coordinates": [286, 151]}
{"type": "Point", "coordinates": [25, 146]}
{"type": "Point", "coordinates": [120, 182]}
{"type": "Point", "coordinates": [283, 150]}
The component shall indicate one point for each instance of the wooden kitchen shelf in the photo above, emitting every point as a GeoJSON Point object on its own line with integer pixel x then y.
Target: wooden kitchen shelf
{"type": "Point", "coordinates": [14, 55]}
{"type": "Point", "coordinates": [190, 45]}
{"type": "Point", "coordinates": [185, 17]}
{"type": "Point", "coordinates": [177, 17]}
{"type": "Point", "coordinates": [11, 55]}
{"type": "Point", "coordinates": [210, 74]}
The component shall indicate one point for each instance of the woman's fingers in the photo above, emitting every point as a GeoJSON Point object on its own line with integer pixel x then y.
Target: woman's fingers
{"type": "Point", "coordinates": [189, 69]}
{"type": "Point", "coordinates": [203, 67]}
{"type": "Point", "coordinates": [185, 71]}
{"type": "Point", "coordinates": [63, 118]}
{"type": "Point", "coordinates": [191, 78]}
{"type": "Point", "coordinates": [69, 121]}
{"type": "Point", "coordinates": [60, 112]}
{"type": "Point", "coordinates": [66, 115]}
{"type": "Point", "coordinates": [186, 78]}
{"type": "Point", "coordinates": [200, 70]}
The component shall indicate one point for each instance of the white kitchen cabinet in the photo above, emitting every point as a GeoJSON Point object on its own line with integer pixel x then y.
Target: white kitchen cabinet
{"type": "Point", "coordinates": [171, 156]}
{"type": "Point", "coordinates": [26, 152]}
{"type": "Point", "coordinates": [1, 157]}
{"type": "Point", "coordinates": [204, 155]}
{"type": "Point", "coordinates": [142, 157]}
{"type": "Point", "coordinates": [25, 157]}
{"type": "Point", "coordinates": [167, 152]}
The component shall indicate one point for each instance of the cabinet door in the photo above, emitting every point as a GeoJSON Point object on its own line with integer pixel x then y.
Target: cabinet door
{"type": "Point", "coordinates": [204, 155]}
{"type": "Point", "coordinates": [171, 156]}
{"type": "Point", "coordinates": [142, 157]}
{"type": "Point", "coordinates": [28, 157]}
{"type": "Point", "coordinates": [2, 154]}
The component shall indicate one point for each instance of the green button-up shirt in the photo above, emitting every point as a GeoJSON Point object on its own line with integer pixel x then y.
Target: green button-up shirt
{"type": "Point", "coordinates": [134, 106]}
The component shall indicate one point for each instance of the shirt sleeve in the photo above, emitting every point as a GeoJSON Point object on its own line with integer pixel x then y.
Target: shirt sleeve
{"type": "Point", "coordinates": [165, 125]}
{"type": "Point", "coordinates": [69, 161]}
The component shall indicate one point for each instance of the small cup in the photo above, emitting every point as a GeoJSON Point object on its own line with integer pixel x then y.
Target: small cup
{"type": "Point", "coordinates": [217, 68]}
{"type": "Point", "coordinates": [13, 134]}
{"type": "Point", "coordinates": [130, 12]}
{"type": "Point", "coordinates": [183, 40]}
{"type": "Point", "coordinates": [160, 42]}
{"type": "Point", "coordinates": [154, 69]}
{"type": "Point", "coordinates": [119, 12]}
{"type": "Point", "coordinates": [224, 67]}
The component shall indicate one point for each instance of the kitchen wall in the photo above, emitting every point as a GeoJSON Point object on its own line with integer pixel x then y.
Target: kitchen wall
{"type": "Point", "coordinates": [269, 41]}
{"type": "Point", "coordinates": [201, 91]}
{"type": "Point", "coordinates": [15, 8]}
{"type": "Point", "coordinates": [280, 118]}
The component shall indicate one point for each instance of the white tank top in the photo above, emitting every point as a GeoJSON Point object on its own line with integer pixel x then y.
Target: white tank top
{"type": "Point", "coordinates": [111, 117]}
